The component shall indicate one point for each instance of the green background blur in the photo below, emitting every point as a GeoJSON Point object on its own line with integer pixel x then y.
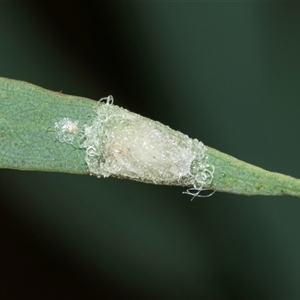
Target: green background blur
{"type": "Point", "coordinates": [227, 73]}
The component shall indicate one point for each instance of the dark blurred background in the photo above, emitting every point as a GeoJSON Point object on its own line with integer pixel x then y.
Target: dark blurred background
{"type": "Point", "coordinates": [226, 73]}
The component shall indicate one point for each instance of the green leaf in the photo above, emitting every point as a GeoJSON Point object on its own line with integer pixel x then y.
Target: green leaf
{"type": "Point", "coordinates": [238, 177]}
{"type": "Point", "coordinates": [31, 119]}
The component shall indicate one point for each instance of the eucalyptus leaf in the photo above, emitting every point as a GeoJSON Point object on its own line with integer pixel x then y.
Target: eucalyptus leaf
{"type": "Point", "coordinates": [43, 130]}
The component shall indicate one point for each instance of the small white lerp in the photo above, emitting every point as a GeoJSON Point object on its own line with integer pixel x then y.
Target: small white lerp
{"type": "Point", "coordinates": [66, 130]}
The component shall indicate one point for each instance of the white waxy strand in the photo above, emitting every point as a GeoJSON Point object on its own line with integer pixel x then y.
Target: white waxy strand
{"type": "Point", "coordinates": [123, 144]}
